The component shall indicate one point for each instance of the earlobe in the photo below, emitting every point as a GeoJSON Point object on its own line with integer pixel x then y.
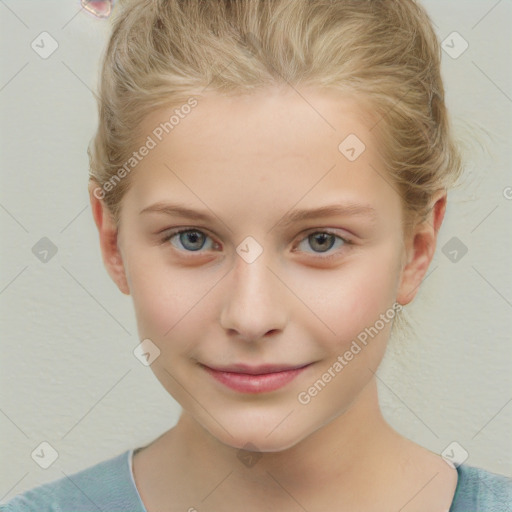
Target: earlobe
{"type": "Point", "coordinates": [420, 250]}
{"type": "Point", "coordinates": [108, 234]}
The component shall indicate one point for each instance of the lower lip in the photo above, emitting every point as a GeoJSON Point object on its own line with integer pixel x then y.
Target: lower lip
{"type": "Point", "coordinates": [264, 383]}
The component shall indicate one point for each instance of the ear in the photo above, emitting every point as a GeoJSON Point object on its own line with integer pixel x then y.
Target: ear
{"type": "Point", "coordinates": [420, 248]}
{"type": "Point", "coordinates": [108, 232]}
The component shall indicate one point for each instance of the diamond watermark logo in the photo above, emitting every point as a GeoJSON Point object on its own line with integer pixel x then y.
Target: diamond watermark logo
{"type": "Point", "coordinates": [454, 45]}
{"type": "Point", "coordinates": [146, 352]}
{"type": "Point", "coordinates": [249, 250]}
{"type": "Point", "coordinates": [454, 249]}
{"type": "Point", "coordinates": [44, 45]}
{"type": "Point", "coordinates": [44, 455]}
{"type": "Point", "coordinates": [454, 454]}
{"type": "Point", "coordinates": [249, 455]}
{"type": "Point", "coordinates": [352, 147]}
{"type": "Point", "coordinates": [44, 250]}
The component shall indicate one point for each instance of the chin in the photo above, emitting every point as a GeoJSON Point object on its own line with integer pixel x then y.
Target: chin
{"type": "Point", "coordinates": [260, 443]}
{"type": "Point", "coordinates": [257, 437]}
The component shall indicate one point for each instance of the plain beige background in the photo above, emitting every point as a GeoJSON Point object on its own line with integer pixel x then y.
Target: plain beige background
{"type": "Point", "coordinates": [69, 377]}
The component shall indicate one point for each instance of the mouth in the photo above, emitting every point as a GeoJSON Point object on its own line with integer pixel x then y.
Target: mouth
{"type": "Point", "coordinates": [255, 379]}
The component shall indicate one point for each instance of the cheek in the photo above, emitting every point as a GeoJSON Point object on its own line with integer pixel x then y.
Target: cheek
{"type": "Point", "coordinates": [351, 299]}
{"type": "Point", "coordinates": [168, 302]}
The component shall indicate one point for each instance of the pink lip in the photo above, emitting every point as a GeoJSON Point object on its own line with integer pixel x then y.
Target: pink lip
{"type": "Point", "coordinates": [255, 379]}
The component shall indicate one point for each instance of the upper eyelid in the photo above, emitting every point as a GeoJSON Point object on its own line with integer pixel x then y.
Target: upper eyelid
{"type": "Point", "coordinates": [174, 231]}
{"type": "Point", "coordinates": [330, 231]}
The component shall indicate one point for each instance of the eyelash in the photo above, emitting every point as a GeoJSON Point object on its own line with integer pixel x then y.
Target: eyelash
{"type": "Point", "coordinates": [346, 241]}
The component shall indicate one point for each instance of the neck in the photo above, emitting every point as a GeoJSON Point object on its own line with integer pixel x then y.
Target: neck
{"type": "Point", "coordinates": [339, 459]}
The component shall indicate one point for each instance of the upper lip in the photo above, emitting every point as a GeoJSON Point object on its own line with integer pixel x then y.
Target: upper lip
{"type": "Point", "coordinates": [256, 370]}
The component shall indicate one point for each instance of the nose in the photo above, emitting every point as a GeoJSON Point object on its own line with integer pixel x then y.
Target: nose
{"type": "Point", "coordinates": [254, 308]}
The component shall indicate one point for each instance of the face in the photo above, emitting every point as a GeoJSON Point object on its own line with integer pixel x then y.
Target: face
{"type": "Point", "coordinates": [267, 321]}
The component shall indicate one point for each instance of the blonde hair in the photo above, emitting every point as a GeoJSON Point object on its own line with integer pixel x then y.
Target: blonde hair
{"type": "Point", "coordinates": [384, 52]}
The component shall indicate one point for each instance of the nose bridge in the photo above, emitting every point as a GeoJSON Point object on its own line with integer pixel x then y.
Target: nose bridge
{"type": "Point", "coordinates": [254, 304]}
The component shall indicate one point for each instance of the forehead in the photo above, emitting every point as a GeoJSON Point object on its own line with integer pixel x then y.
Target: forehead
{"type": "Point", "coordinates": [285, 144]}
{"type": "Point", "coordinates": [279, 118]}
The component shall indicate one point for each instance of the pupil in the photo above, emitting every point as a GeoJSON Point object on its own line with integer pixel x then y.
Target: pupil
{"type": "Point", "coordinates": [322, 241]}
{"type": "Point", "coordinates": [192, 237]}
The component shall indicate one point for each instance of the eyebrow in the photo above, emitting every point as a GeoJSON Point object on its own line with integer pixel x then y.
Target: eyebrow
{"type": "Point", "coordinates": [176, 210]}
{"type": "Point", "coordinates": [341, 210]}
{"type": "Point", "coordinates": [294, 216]}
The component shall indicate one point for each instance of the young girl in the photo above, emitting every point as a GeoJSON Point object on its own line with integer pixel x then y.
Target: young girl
{"type": "Point", "coordinates": [268, 180]}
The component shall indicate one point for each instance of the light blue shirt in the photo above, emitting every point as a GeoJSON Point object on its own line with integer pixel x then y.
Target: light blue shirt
{"type": "Point", "coordinates": [109, 486]}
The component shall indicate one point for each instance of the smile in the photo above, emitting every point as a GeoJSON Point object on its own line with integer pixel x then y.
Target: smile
{"type": "Point", "coordinates": [263, 379]}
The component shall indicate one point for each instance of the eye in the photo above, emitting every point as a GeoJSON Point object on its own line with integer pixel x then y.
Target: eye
{"type": "Point", "coordinates": [323, 241]}
{"type": "Point", "coordinates": [190, 240]}
{"type": "Point", "coordinates": [193, 240]}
